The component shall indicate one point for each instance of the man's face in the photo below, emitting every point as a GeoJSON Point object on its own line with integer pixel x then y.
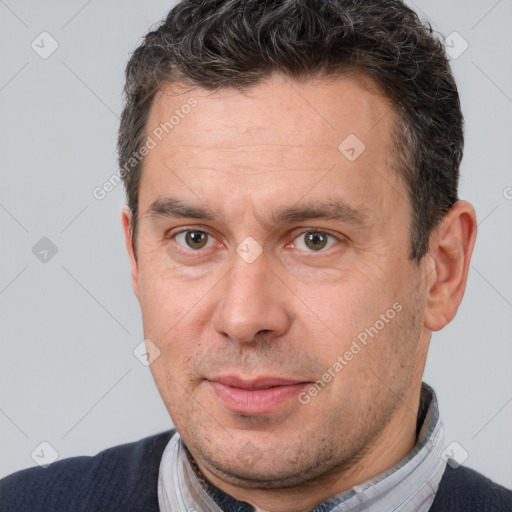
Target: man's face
{"type": "Point", "coordinates": [262, 292]}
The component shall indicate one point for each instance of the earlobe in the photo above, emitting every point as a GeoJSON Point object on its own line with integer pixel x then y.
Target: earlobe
{"type": "Point", "coordinates": [451, 249]}
{"type": "Point", "coordinates": [126, 220]}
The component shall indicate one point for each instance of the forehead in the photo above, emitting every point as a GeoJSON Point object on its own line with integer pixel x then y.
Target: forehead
{"type": "Point", "coordinates": [307, 113]}
{"type": "Point", "coordinates": [276, 137]}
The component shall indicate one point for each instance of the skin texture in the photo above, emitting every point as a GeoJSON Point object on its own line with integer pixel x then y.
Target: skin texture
{"type": "Point", "coordinates": [293, 310]}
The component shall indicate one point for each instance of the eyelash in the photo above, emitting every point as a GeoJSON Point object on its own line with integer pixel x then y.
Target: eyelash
{"type": "Point", "coordinates": [303, 232]}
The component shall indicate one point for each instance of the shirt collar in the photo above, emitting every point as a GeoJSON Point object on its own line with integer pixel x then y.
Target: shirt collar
{"type": "Point", "coordinates": [409, 486]}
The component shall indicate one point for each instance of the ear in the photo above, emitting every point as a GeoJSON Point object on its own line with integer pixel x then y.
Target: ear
{"type": "Point", "coordinates": [451, 247]}
{"type": "Point", "coordinates": [126, 220]}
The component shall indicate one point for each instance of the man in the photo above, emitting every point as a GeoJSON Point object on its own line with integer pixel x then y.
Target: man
{"type": "Point", "coordinates": [295, 236]}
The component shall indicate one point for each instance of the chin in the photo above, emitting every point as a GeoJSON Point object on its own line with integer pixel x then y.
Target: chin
{"type": "Point", "coordinates": [254, 470]}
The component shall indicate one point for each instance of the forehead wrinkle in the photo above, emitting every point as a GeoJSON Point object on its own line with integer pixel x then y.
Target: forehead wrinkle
{"type": "Point", "coordinates": [217, 146]}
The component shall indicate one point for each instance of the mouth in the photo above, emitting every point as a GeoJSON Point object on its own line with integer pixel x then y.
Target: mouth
{"type": "Point", "coordinates": [255, 396]}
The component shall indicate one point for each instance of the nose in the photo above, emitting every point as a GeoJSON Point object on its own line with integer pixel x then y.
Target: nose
{"type": "Point", "coordinates": [251, 303]}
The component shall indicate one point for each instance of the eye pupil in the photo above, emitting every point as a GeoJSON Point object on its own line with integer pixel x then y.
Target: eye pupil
{"type": "Point", "coordinates": [196, 239]}
{"type": "Point", "coordinates": [313, 239]}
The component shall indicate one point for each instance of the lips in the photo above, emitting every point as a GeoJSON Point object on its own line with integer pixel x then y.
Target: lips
{"type": "Point", "coordinates": [256, 396]}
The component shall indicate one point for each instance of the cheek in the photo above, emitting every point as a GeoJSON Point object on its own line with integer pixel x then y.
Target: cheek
{"type": "Point", "coordinates": [167, 299]}
{"type": "Point", "coordinates": [366, 329]}
{"type": "Point", "coordinates": [174, 394]}
{"type": "Point", "coordinates": [343, 308]}
{"type": "Point", "coordinates": [371, 370]}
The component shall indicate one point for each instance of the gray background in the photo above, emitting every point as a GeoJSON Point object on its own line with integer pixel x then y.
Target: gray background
{"type": "Point", "coordinates": [69, 325]}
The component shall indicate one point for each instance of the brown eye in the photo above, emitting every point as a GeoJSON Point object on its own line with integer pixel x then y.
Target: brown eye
{"type": "Point", "coordinates": [192, 239]}
{"type": "Point", "coordinates": [314, 241]}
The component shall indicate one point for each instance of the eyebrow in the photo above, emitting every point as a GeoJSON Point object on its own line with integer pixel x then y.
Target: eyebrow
{"type": "Point", "coordinates": [171, 207]}
{"type": "Point", "coordinates": [331, 209]}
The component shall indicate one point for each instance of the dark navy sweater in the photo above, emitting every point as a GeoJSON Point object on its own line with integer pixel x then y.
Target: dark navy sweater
{"type": "Point", "coordinates": [124, 479]}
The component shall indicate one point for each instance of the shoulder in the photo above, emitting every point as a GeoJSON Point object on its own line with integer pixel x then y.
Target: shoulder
{"type": "Point", "coordinates": [120, 478]}
{"type": "Point", "coordinates": [463, 489]}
